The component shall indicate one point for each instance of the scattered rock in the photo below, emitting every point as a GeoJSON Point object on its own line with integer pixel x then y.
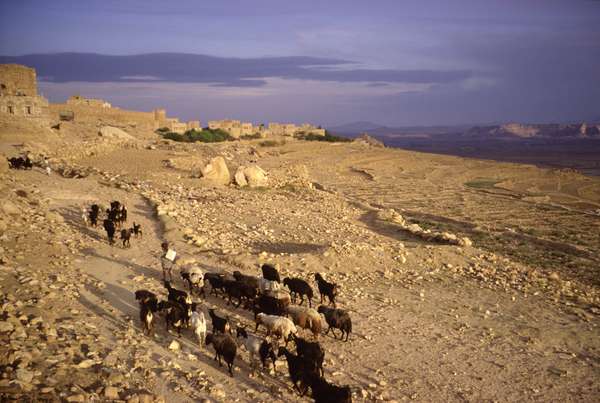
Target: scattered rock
{"type": "Point", "coordinates": [10, 208]}
{"type": "Point", "coordinates": [114, 133]}
{"type": "Point", "coordinates": [216, 172]}
{"type": "Point", "coordinates": [253, 176]}
{"type": "Point", "coordinates": [6, 327]}
{"type": "Point", "coordinates": [111, 393]}
{"type": "Point", "coordinates": [174, 346]}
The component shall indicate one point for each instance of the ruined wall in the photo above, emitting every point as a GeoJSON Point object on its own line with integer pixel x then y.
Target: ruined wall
{"type": "Point", "coordinates": [17, 80]}
{"type": "Point", "coordinates": [18, 94]}
{"type": "Point", "coordinates": [79, 100]}
{"type": "Point", "coordinates": [105, 116]}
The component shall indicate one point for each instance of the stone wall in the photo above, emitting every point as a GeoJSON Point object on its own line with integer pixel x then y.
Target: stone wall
{"type": "Point", "coordinates": [105, 116]}
{"type": "Point", "coordinates": [18, 94]}
{"type": "Point", "coordinates": [17, 80]}
{"type": "Point", "coordinates": [79, 100]}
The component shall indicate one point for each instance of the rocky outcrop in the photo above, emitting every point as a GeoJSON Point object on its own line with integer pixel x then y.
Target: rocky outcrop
{"type": "Point", "coordinates": [252, 176]}
{"type": "Point", "coordinates": [369, 141]}
{"type": "Point", "coordinates": [216, 172]}
{"type": "Point", "coordinates": [520, 130]}
{"type": "Point", "coordinates": [114, 133]}
{"type": "Point", "coordinates": [393, 216]}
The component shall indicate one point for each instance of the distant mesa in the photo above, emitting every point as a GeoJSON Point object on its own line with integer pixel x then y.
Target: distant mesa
{"type": "Point", "coordinates": [537, 131]}
{"type": "Point", "coordinates": [507, 131]}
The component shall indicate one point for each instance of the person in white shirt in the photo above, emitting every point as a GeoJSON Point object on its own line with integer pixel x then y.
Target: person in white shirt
{"type": "Point", "coordinates": [166, 262]}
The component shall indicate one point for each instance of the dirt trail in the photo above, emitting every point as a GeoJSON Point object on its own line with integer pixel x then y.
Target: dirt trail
{"type": "Point", "coordinates": [112, 307]}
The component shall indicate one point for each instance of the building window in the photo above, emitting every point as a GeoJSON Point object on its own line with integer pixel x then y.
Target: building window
{"type": "Point", "coordinates": [11, 110]}
{"type": "Point", "coordinates": [29, 110]}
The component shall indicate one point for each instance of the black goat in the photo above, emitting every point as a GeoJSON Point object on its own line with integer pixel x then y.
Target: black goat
{"type": "Point", "coordinates": [143, 296]}
{"type": "Point", "coordinates": [219, 324]}
{"type": "Point", "coordinates": [224, 347]}
{"type": "Point", "coordinates": [137, 230]}
{"type": "Point", "coordinates": [216, 281]}
{"type": "Point", "coordinates": [93, 215]}
{"type": "Point", "coordinates": [123, 215]}
{"type": "Point", "coordinates": [270, 273]}
{"type": "Point", "coordinates": [176, 295]}
{"type": "Point", "coordinates": [239, 290]}
{"type": "Point", "coordinates": [125, 237]}
{"type": "Point", "coordinates": [337, 319]}
{"type": "Point", "coordinates": [20, 163]}
{"type": "Point", "coordinates": [269, 305]}
{"type": "Point", "coordinates": [299, 287]}
{"type": "Point", "coordinates": [109, 227]}
{"type": "Point", "coordinates": [312, 352]}
{"type": "Point", "coordinates": [325, 392]}
{"type": "Point", "coordinates": [299, 372]}
{"type": "Point", "coordinates": [175, 316]}
{"type": "Point", "coordinates": [244, 278]}
{"type": "Point", "coordinates": [147, 310]}
{"type": "Point", "coordinates": [265, 352]}
{"type": "Point", "coordinates": [326, 289]}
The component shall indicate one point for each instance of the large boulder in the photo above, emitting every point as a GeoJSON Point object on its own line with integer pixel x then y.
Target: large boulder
{"type": "Point", "coordinates": [216, 172]}
{"type": "Point", "coordinates": [114, 133]}
{"type": "Point", "coordinates": [253, 176]}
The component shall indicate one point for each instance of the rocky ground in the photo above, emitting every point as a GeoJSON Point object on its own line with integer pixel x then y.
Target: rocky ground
{"type": "Point", "coordinates": [511, 314]}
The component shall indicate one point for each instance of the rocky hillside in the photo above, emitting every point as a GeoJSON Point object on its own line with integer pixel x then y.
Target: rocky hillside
{"type": "Point", "coordinates": [465, 279]}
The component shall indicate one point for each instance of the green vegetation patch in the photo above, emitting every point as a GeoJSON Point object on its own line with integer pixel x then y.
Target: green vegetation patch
{"type": "Point", "coordinates": [327, 137]}
{"type": "Point", "coordinates": [251, 136]}
{"type": "Point", "coordinates": [192, 136]}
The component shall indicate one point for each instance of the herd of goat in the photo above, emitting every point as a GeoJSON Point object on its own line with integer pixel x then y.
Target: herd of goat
{"type": "Point", "coordinates": [273, 309]}
{"type": "Point", "coordinates": [116, 217]}
{"type": "Point", "coordinates": [265, 296]}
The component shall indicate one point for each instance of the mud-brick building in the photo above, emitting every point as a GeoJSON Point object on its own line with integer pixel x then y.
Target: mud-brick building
{"type": "Point", "coordinates": [18, 93]}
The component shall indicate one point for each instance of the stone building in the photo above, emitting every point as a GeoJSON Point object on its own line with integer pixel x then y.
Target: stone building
{"type": "Point", "coordinates": [193, 125]}
{"type": "Point", "coordinates": [235, 128]}
{"type": "Point", "coordinates": [18, 93]}
{"type": "Point", "coordinates": [290, 129]}
{"type": "Point", "coordinates": [172, 124]}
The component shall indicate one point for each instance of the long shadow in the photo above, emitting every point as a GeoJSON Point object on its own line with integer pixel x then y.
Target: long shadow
{"type": "Point", "coordinates": [127, 264]}
{"type": "Point", "coordinates": [72, 217]}
{"type": "Point", "coordinates": [124, 301]}
{"type": "Point", "coordinates": [288, 247]}
{"type": "Point", "coordinates": [389, 229]}
{"type": "Point", "coordinates": [143, 211]}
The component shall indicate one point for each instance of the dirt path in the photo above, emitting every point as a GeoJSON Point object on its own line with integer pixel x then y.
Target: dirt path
{"type": "Point", "coordinates": [113, 273]}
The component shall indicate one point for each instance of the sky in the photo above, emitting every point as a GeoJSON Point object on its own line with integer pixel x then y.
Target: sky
{"type": "Point", "coordinates": [393, 62]}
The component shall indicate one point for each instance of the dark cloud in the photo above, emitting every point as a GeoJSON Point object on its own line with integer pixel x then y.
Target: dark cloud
{"type": "Point", "coordinates": [219, 71]}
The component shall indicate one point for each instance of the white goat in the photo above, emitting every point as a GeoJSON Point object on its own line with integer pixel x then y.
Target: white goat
{"type": "Point", "coordinates": [277, 325]}
{"type": "Point", "coordinates": [198, 322]}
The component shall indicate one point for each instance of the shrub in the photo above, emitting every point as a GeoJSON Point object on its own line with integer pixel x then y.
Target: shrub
{"type": "Point", "coordinates": [203, 136]}
{"type": "Point", "coordinates": [327, 137]}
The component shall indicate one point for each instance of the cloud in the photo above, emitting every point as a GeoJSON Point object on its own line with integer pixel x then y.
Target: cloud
{"type": "Point", "coordinates": [218, 71]}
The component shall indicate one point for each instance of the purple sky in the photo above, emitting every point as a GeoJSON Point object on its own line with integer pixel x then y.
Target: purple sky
{"type": "Point", "coordinates": [398, 62]}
